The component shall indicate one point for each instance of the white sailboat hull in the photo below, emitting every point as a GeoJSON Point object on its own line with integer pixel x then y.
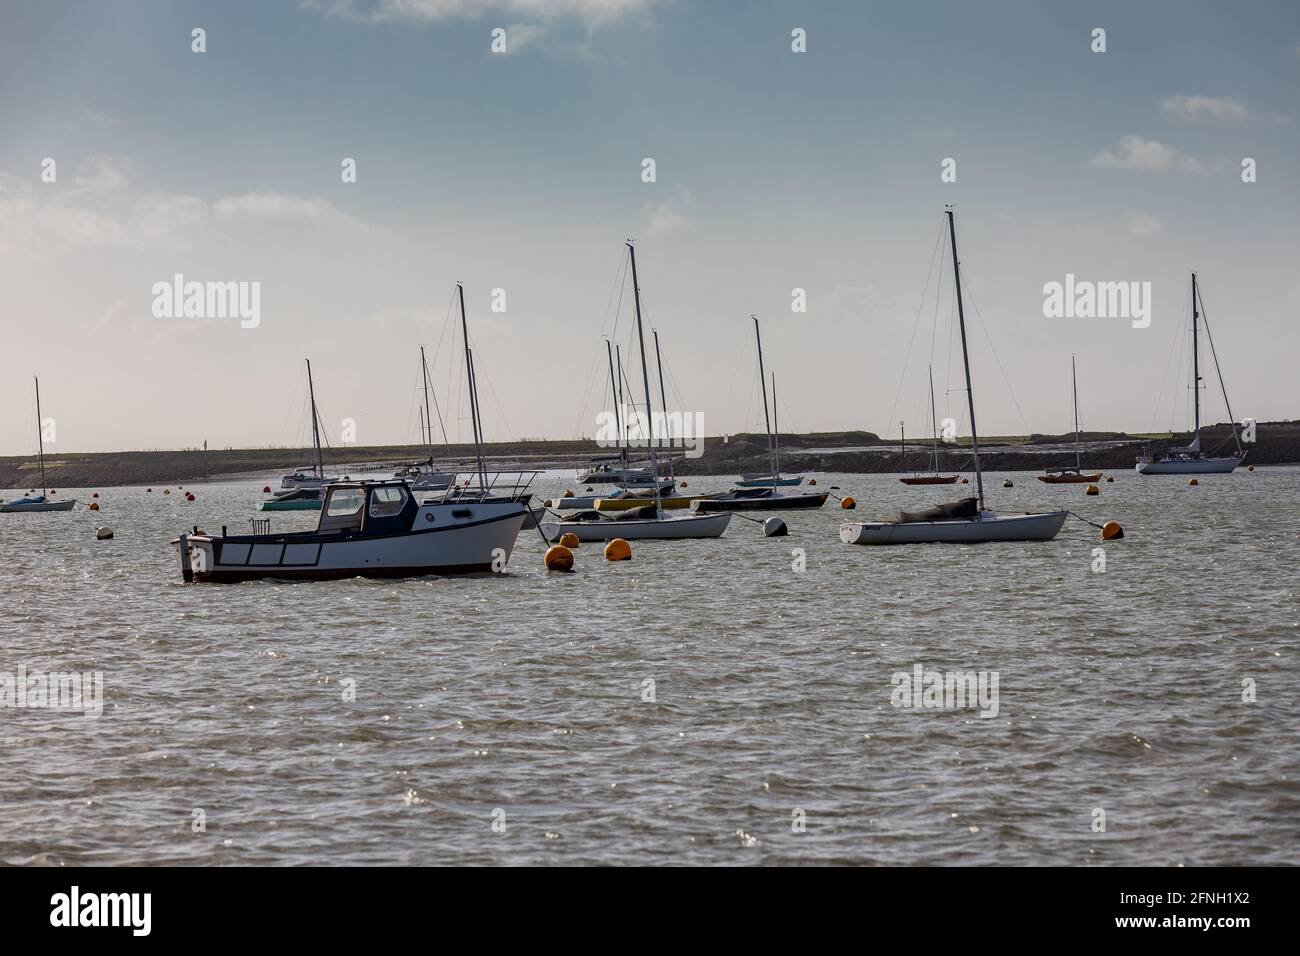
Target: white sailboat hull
{"type": "Point", "coordinates": [16, 507]}
{"type": "Point", "coordinates": [1189, 466]}
{"type": "Point", "coordinates": [990, 526]}
{"type": "Point", "coordinates": [485, 534]}
{"type": "Point", "coordinates": [672, 527]}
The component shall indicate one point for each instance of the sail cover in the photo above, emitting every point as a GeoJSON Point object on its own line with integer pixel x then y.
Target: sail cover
{"type": "Point", "coordinates": [948, 511]}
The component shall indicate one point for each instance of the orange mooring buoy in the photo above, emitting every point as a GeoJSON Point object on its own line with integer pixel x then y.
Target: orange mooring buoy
{"type": "Point", "coordinates": [618, 550]}
{"type": "Point", "coordinates": [558, 558]}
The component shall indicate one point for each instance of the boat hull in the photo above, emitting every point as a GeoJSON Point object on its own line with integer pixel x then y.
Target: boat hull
{"type": "Point", "coordinates": [773, 503]}
{"type": "Point", "coordinates": [677, 527]}
{"type": "Point", "coordinates": [1069, 478]}
{"type": "Point", "coordinates": [298, 504]}
{"type": "Point", "coordinates": [932, 480]}
{"type": "Point", "coordinates": [760, 482]}
{"type": "Point", "coordinates": [20, 507]}
{"type": "Point", "coordinates": [990, 527]}
{"type": "Point", "coordinates": [481, 541]}
{"type": "Point", "coordinates": [1188, 466]}
{"type": "Point", "coordinates": [625, 504]}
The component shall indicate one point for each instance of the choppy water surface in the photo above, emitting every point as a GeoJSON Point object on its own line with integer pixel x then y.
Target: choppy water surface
{"type": "Point", "coordinates": [1119, 690]}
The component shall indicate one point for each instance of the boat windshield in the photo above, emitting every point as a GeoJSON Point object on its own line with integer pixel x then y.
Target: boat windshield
{"type": "Point", "coordinates": [345, 501]}
{"type": "Point", "coordinates": [386, 502]}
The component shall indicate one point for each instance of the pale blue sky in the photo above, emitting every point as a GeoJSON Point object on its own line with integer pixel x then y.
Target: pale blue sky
{"type": "Point", "coordinates": [776, 170]}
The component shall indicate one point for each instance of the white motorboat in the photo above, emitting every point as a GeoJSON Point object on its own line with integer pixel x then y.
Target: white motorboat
{"type": "Point", "coordinates": [576, 502]}
{"type": "Point", "coordinates": [1190, 459]}
{"type": "Point", "coordinates": [366, 529]}
{"type": "Point", "coordinates": [33, 501]}
{"type": "Point", "coordinates": [967, 520]}
{"type": "Point", "coordinates": [305, 478]}
{"type": "Point", "coordinates": [604, 471]}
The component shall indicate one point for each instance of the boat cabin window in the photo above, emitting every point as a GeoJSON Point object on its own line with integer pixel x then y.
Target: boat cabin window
{"type": "Point", "coordinates": [343, 509]}
{"type": "Point", "coordinates": [386, 502]}
{"type": "Point", "coordinates": [345, 501]}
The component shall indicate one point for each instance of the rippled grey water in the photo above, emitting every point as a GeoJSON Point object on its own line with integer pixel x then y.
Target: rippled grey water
{"type": "Point", "coordinates": [1120, 690]}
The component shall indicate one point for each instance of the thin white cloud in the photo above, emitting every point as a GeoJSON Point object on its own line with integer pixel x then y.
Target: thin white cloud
{"type": "Point", "coordinates": [590, 12]}
{"type": "Point", "coordinates": [1142, 225]}
{"type": "Point", "coordinates": [102, 173]}
{"type": "Point", "coordinates": [1223, 109]}
{"type": "Point", "coordinates": [1149, 155]}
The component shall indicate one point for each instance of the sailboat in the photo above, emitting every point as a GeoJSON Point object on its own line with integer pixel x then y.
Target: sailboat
{"type": "Point", "coordinates": [304, 495]}
{"type": "Point", "coordinates": [1190, 460]}
{"type": "Point", "coordinates": [774, 480]}
{"type": "Point", "coordinates": [762, 498]}
{"type": "Point", "coordinates": [650, 521]}
{"type": "Point", "coordinates": [968, 520]}
{"type": "Point", "coordinates": [1073, 475]}
{"type": "Point", "coordinates": [933, 478]}
{"type": "Point", "coordinates": [424, 477]}
{"type": "Point", "coordinates": [41, 502]}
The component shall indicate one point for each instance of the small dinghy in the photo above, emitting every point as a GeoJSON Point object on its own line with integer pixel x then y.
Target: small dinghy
{"type": "Point", "coordinates": [636, 524]}
{"type": "Point", "coordinates": [639, 496]}
{"type": "Point", "coordinates": [32, 501]}
{"type": "Point", "coordinates": [297, 499]}
{"type": "Point", "coordinates": [367, 529]}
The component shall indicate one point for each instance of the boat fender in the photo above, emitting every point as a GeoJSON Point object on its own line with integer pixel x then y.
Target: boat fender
{"type": "Point", "coordinates": [848, 503]}
{"type": "Point", "coordinates": [1092, 490]}
{"type": "Point", "coordinates": [774, 527]}
{"type": "Point", "coordinates": [569, 539]}
{"type": "Point", "coordinates": [618, 550]}
{"type": "Point", "coordinates": [558, 558]}
{"type": "Point", "coordinates": [1111, 530]}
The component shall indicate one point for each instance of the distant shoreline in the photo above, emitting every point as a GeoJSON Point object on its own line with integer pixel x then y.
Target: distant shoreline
{"type": "Point", "coordinates": [850, 452]}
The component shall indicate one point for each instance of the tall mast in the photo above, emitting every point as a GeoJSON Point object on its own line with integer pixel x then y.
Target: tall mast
{"type": "Point", "coordinates": [663, 396]}
{"type": "Point", "coordinates": [934, 424]}
{"type": "Point", "coordinates": [776, 431]}
{"type": "Point", "coordinates": [40, 438]}
{"type": "Point", "coordinates": [902, 437]}
{"type": "Point", "coordinates": [965, 357]}
{"type": "Point", "coordinates": [767, 420]}
{"type": "Point", "coordinates": [315, 423]}
{"type": "Point", "coordinates": [618, 362]}
{"type": "Point", "coordinates": [428, 422]}
{"type": "Point", "coordinates": [1196, 370]}
{"type": "Point", "coordinates": [645, 378]}
{"type": "Point", "coordinates": [618, 412]}
{"type": "Point", "coordinates": [1232, 421]}
{"type": "Point", "coordinates": [1074, 380]}
{"type": "Point", "coordinates": [473, 392]}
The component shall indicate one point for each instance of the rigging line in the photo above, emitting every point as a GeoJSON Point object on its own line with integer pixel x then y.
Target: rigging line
{"type": "Point", "coordinates": [916, 324]}
{"type": "Point", "coordinates": [1205, 319]}
{"type": "Point", "coordinates": [989, 339]}
{"type": "Point", "coordinates": [1164, 378]}
{"type": "Point", "coordinates": [596, 350]}
{"type": "Point", "coordinates": [735, 372]}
